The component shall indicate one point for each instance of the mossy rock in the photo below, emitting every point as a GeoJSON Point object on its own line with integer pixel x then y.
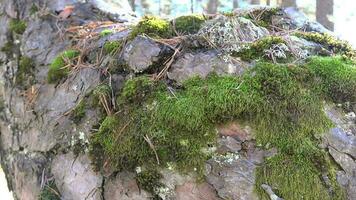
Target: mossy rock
{"type": "Point", "coordinates": [18, 26]}
{"type": "Point", "coordinates": [105, 32]}
{"type": "Point", "coordinates": [8, 47]}
{"type": "Point", "coordinates": [331, 43]}
{"type": "Point", "coordinates": [156, 126]}
{"type": "Point", "coordinates": [149, 180]}
{"type": "Point", "coordinates": [59, 69]}
{"type": "Point", "coordinates": [153, 27]}
{"type": "Point", "coordinates": [256, 50]}
{"type": "Point", "coordinates": [189, 24]}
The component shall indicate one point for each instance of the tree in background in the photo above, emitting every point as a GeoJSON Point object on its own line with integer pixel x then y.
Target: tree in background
{"type": "Point", "coordinates": [235, 4]}
{"type": "Point", "coordinates": [132, 4]}
{"type": "Point", "coordinates": [255, 2]}
{"type": "Point", "coordinates": [289, 3]}
{"type": "Point", "coordinates": [325, 10]}
{"type": "Point", "coordinates": [212, 6]}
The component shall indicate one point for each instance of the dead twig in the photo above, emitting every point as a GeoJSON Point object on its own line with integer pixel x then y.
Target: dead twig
{"type": "Point", "coordinates": [148, 140]}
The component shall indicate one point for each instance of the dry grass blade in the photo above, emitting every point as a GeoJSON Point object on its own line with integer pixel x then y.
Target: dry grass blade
{"type": "Point", "coordinates": [148, 140]}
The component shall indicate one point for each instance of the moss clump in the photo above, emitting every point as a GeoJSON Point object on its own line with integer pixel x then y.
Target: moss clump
{"type": "Point", "coordinates": [24, 75]}
{"type": "Point", "coordinates": [50, 192]}
{"type": "Point", "coordinates": [189, 24]}
{"type": "Point", "coordinates": [149, 180]}
{"type": "Point", "coordinates": [335, 45]}
{"type": "Point", "coordinates": [298, 178]}
{"type": "Point", "coordinates": [112, 47]}
{"type": "Point", "coordinates": [18, 26]}
{"type": "Point", "coordinates": [78, 113]}
{"type": "Point", "coordinates": [284, 104]}
{"type": "Point", "coordinates": [336, 77]}
{"type": "Point", "coordinates": [263, 17]}
{"type": "Point", "coordinates": [153, 27]}
{"type": "Point", "coordinates": [60, 66]}
{"type": "Point", "coordinates": [256, 50]}
{"type": "Point", "coordinates": [106, 32]}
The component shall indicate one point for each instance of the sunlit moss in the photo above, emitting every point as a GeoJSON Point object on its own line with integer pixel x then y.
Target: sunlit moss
{"type": "Point", "coordinates": [106, 32]}
{"type": "Point", "coordinates": [153, 27]}
{"type": "Point", "coordinates": [59, 67]}
{"type": "Point", "coordinates": [112, 47]}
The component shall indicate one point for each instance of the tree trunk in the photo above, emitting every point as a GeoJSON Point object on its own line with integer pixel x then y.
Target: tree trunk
{"type": "Point", "coordinates": [235, 4]}
{"type": "Point", "coordinates": [324, 10]}
{"type": "Point", "coordinates": [289, 3]}
{"type": "Point", "coordinates": [212, 7]}
{"type": "Point", "coordinates": [255, 2]}
{"type": "Point", "coordinates": [132, 4]}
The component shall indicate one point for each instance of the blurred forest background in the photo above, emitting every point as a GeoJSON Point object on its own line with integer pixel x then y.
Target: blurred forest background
{"type": "Point", "coordinates": [336, 15]}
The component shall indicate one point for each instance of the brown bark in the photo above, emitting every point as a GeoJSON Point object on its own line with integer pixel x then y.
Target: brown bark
{"type": "Point", "coordinates": [212, 7]}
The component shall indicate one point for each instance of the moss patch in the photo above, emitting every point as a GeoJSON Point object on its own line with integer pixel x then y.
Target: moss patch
{"type": "Point", "coordinates": [189, 24]}
{"type": "Point", "coordinates": [335, 45]}
{"type": "Point", "coordinates": [256, 50]}
{"type": "Point", "coordinates": [24, 75]}
{"type": "Point", "coordinates": [59, 67]}
{"type": "Point", "coordinates": [106, 32]}
{"type": "Point", "coordinates": [18, 26]}
{"type": "Point", "coordinates": [112, 47]}
{"type": "Point", "coordinates": [50, 192]}
{"type": "Point", "coordinates": [153, 27]}
{"type": "Point", "coordinates": [284, 103]}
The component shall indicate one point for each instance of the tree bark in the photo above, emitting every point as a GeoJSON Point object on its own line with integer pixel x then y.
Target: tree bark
{"type": "Point", "coordinates": [289, 3]}
{"type": "Point", "coordinates": [235, 4]}
{"type": "Point", "coordinates": [325, 10]}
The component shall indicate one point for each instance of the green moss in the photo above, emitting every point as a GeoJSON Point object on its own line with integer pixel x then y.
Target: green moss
{"type": "Point", "coordinates": [331, 43]}
{"type": "Point", "coordinates": [50, 192]}
{"type": "Point", "coordinates": [112, 47]}
{"type": "Point", "coordinates": [149, 180]}
{"type": "Point", "coordinates": [18, 26]}
{"type": "Point", "coordinates": [153, 27]}
{"type": "Point", "coordinates": [78, 113]}
{"type": "Point", "coordinates": [106, 32]}
{"type": "Point", "coordinates": [189, 24]}
{"type": "Point", "coordinates": [336, 77]}
{"type": "Point", "coordinates": [256, 50]}
{"type": "Point", "coordinates": [284, 103]}
{"type": "Point", "coordinates": [59, 69]}
{"type": "Point", "coordinates": [297, 178]}
{"type": "Point", "coordinates": [263, 17]}
{"type": "Point", "coordinates": [24, 75]}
